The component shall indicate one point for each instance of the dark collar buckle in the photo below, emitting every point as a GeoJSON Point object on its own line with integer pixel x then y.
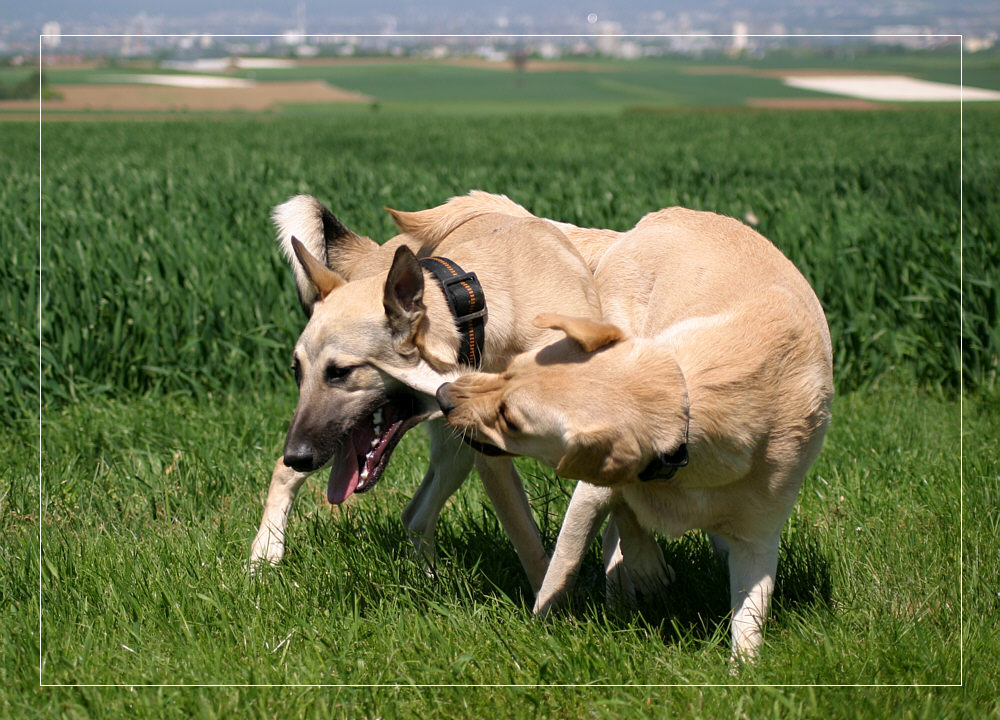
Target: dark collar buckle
{"type": "Point", "coordinates": [467, 303]}
{"type": "Point", "coordinates": [665, 465]}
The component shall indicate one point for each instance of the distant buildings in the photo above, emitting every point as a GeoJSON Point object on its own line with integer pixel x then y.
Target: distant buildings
{"type": "Point", "coordinates": [51, 35]}
{"type": "Point", "coordinates": [692, 29]}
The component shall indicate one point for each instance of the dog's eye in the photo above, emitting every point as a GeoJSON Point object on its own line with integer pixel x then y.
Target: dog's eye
{"type": "Point", "coordinates": [505, 417]}
{"type": "Point", "coordinates": [297, 369]}
{"type": "Point", "coordinates": [334, 373]}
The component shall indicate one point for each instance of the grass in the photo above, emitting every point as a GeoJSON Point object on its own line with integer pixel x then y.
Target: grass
{"type": "Point", "coordinates": [149, 507]}
{"type": "Point", "coordinates": [160, 274]}
{"type": "Point", "coordinates": [167, 322]}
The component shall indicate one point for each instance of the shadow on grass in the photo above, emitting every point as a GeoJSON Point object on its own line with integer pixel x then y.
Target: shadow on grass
{"type": "Point", "coordinates": [695, 605]}
{"type": "Point", "coordinates": [476, 562]}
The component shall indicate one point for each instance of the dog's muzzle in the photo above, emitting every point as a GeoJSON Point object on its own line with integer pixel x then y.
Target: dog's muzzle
{"type": "Point", "coordinates": [301, 456]}
{"type": "Point", "coordinates": [444, 399]}
{"type": "Point", "coordinates": [447, 404]}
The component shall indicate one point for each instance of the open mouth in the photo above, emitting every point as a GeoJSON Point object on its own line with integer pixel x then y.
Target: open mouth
{"type": "Point", "coordinates": [364, 452]}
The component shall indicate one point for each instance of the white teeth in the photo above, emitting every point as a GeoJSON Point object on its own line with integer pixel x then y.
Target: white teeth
{"type": "Point", "coordinates": [377, 417]}
{"type": "Point", "coordinates": [374, 442]}
{"type": "Point", "coordinates": [378, 430]}
{"type": "Point", "coordinates": [364, 474]}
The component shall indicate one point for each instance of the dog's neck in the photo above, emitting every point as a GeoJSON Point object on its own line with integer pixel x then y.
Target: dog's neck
{"type": "Point", "coordinates": [467, 305]}
{"type": "Point", "coordinates": [666, 463]}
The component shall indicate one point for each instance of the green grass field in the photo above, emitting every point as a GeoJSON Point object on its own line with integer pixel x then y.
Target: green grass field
{"type": "Point", "coordinates": [596, 86]}
{"type": "Point", "coordinates": [167, 321]}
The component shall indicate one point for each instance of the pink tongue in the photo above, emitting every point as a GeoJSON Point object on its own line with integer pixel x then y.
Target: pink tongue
{"type": "Point", "coordinates": [345, 474]}
{"type": "Point", "coordinates": [343, 478]}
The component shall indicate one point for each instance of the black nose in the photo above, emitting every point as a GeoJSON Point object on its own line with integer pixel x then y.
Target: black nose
{"type": "Point", "coordinates": [300, 456]}
{"type": "Point", "coordinates": [444, 399]}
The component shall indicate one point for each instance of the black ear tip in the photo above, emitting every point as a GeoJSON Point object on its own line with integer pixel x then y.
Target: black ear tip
{"type": "Point", "coordinates": [403, 251]}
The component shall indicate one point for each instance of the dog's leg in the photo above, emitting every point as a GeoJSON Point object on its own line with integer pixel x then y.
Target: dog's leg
{"type": "Point", "coordinates": [752, 567]}
{"type": "Point", "coordinates": [504, 488]}
{"type": "Point", "coordinates": [587, 508]}
{"type": "Point", "coordinates": [618, 586]}
{"type": "Point", "coordinates": [450, 463]}
{"type": "Point", "coordinates": [636, 563]}
{"type": "Point", "coordinates": [269, 545]}
{"type": "Point", "coordinates": [720, 548]}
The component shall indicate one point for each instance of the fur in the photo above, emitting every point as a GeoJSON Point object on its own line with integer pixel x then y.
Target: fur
{"type": "Point", "coordinates": [711, 337]}
{"type": "Point", "coordinates": [380, 340]}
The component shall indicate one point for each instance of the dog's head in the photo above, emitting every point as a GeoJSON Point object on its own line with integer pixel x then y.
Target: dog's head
{"type": "Point", "coordinates": [365, 362]}
{"type": "Point", "coordinates": [597, 406]}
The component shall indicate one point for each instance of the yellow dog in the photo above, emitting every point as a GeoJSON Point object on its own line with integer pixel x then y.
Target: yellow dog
{"type": "Point", "coordinates": [700, 401]}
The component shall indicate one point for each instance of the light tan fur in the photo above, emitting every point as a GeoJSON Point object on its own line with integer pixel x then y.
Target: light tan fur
{"type": "Point", "coordinates": [380, 330]}
{"type": "Point", "coordinates": [710, 337]}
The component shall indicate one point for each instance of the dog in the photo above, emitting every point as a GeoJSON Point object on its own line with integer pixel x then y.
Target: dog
{"type": "Point", "coordinates": [699, 401]}
{"type": "Point", "coordinates": [383, 333]}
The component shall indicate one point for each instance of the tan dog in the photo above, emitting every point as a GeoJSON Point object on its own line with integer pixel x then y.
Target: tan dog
{"type": "Point", "coordinates": [700, 404]}
{"type": "Point", "coordinates": [381, 338]}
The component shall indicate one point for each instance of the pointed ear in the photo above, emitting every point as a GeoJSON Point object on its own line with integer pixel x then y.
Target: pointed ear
{"type": "Point", "coordinates": [323, 278]}
{"type": "Point", "coordinates": [403, 298]}
{"type": "Point", "coordinates": [589, 334]}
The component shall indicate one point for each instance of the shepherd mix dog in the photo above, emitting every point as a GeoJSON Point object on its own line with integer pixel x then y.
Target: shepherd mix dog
{"type": "Point", "coordinates": [382, 336]}
{"type": "Point", "coordinates": [700, 401]}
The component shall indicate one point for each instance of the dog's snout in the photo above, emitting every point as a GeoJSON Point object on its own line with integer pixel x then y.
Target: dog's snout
{"type": "Point", "coordinates": [444, 399]}
{"type": "Point", "coordinates": [300, 456]}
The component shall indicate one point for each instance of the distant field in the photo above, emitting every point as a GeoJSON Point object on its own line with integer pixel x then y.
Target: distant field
{"type": "Point", "coordinates": [474, 86]}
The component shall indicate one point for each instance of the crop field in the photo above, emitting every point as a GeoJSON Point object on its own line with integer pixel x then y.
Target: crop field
{"type": "Point", "coordinates": [162, 393]}
{"type": "Point", "coordinates": [473, 86]}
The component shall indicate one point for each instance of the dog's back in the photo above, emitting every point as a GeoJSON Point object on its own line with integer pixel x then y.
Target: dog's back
{"type": "Point", "coordinates": [677, 264]}
{"type": "Point", "coordinates": [744, 326]}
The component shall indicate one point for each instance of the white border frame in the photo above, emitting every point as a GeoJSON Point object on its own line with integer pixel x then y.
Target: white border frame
{"type": "Point", "coordinates": [961, 209]}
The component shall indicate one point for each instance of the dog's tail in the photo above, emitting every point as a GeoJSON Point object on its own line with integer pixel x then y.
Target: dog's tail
{"type": "Point", "coordinates": [323, 235]}
{"type": "Point", "coordinates": [432, 226]}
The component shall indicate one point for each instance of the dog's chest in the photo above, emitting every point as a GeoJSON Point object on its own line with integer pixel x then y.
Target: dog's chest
{"type": "Point", "coordinates": [670, 510]}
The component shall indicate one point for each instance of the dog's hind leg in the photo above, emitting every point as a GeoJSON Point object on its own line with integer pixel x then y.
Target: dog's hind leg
{"type": "Point", "coordinates": [588, 507]}
{"type": "Point", "coordinates": [269, 545]}
{"type": "Point", "coordinates": [720, 548]}
{"type": "Point", "coordinates": [752, 567]}
{"type": "Point", "coordinates": [450, 463]}
{"type": "Point", "coordinates": [504, 488]}
{"type": "Point", "coordinates": [633, 559]}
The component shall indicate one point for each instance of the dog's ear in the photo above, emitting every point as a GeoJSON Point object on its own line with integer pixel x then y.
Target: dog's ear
{"type": "Point", "coordinates": [595, 457]}
{"type": "Point", "coordinates": [403, 298]}
{"type": "Point", "coordinates": [589, 334]}
{"type": "Point", "coordinates": [323, 279]}
{"type": "Point", "coordinates": [323, 235]}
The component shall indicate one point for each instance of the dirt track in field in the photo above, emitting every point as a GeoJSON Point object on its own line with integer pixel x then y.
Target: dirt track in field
{"type": "Point", "coordinates": [163, 98]}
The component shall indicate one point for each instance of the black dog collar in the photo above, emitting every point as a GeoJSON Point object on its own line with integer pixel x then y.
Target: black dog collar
{"type": "Point", "coordinates": [665, 465]}
{"type": "Point", "coordinates": [467, 302]}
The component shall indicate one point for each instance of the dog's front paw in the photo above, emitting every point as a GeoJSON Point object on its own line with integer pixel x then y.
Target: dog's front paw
{"type": "Point", "coordinates": [548, 603]}
{"type": "Point", "coordinates": [267, 549]}
{"type": "Point", "coordinates": [541, 609]}
{"type": "Point", "coordinates": [424, 552]}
